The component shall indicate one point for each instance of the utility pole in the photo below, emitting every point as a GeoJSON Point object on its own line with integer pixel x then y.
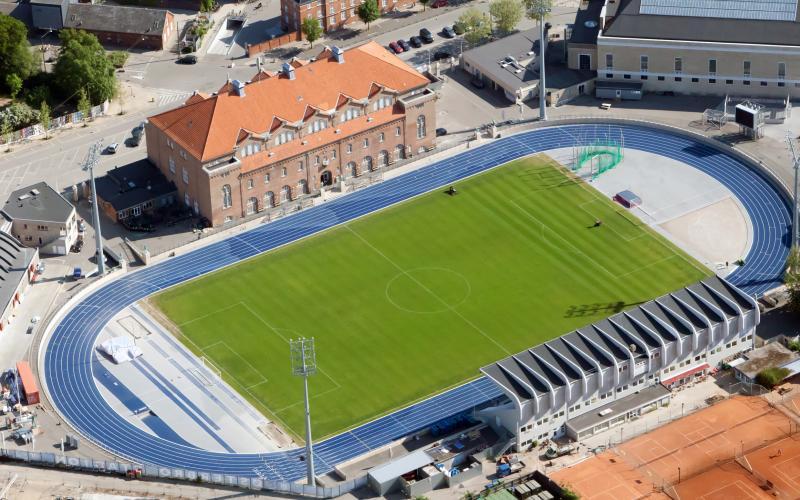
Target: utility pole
{"type": "Point", "coordinates": [304, 364]}
{"type": "Point", "coordinates": [795, 166]}
{"type": "Point", "coordinates": [542, 10]}
{"type": "Point", "coordinates": [88, 164]}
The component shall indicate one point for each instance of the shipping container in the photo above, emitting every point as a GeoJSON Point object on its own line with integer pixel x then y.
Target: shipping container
{"type": "Point", "coordinates": [28, 382]}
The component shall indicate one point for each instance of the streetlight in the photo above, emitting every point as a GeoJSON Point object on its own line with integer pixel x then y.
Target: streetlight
{"type": "Point", "coordinates": [91, 160]}
{"type": "Point", "coordinates": [304, 364]}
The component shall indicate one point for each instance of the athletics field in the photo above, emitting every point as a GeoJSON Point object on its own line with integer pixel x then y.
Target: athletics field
{"type": "Point", "coordinates": [415, 298]}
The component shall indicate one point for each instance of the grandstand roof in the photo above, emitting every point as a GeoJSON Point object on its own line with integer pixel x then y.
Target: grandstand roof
{"type": "Point", "coordinates": [14, 262]}
{"type": "Point", "coordinates": [625, 336]}
{"type": "Point", "coordinates": [685, 20]}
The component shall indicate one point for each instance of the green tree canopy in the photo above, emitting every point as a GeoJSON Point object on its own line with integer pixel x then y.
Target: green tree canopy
{"type": "Point", "coordinates": [14, 84]}
{"type": "Point", "coordinates": [533, 8]}
{"type": "Point", "coordinates": [84, 106]}
{"type": "Point", "coordinates": [206, 5]}
{"type": "Point", "coordinates": [15, 51]}
{"type": "Point", "coordinates": [770, 377]}
{"type": "Point", "coordinates": [506, 13]}
{"type": "Point", "coordinates": [792, 278]}
{"type": "Point", "coordinates": [476, 25]}
{"type": "Point", "coordinates": [82, 64]}
{"type": "Point", "coordinates": [368, 11]}
{"type": "Point", "coordinates": [311, 29]}
{"type": "Point", "coordinates": [44, 117]}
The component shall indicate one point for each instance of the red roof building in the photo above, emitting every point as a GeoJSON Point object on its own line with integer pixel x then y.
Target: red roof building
{"type": "Point", "coordinates": [254, 145]}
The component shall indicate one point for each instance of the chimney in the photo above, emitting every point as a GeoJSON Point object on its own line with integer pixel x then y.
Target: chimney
{"type": "Point", "coordinates": [238, 87]}
{"type": "Point", "coordinates": [288, 70]}
{"type": "Point", "coordinates": [338, 53]}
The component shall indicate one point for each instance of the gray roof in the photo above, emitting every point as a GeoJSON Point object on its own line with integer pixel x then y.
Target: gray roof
{"type": "Point", "coordinates": [618, 407]}
{"type": "Point", "coordinates": [116, 19]}
{"type": "Point", "coordinates": [772, 355]}
{"type": "Point", "coordinates": [587, 23]}
{"type": "Point", "coordinates": [522, 46]}
{"type": "Point", "coordinates": [535, 371]}
{"type": "Point", "coordinates": [14, 262]}
{"type": "Point", "coordinates": [38, 202]}
{"type": "Point", "coordinates": [133, 184]}
{"type": "Point", "coordinates": [407, 463]}
{"type": "Point", "coordinates": [19, 11]}
{"type": "Point", "coordinates": [629, 23]}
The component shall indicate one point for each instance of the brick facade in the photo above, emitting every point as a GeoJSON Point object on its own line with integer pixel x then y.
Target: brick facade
{"type": "Point", "coordinates": [264, 170]}
{"type": "Point", "coordinates": [332, 15]}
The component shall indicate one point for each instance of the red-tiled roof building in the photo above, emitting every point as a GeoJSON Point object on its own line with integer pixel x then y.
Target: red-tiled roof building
{"type": "Point", "coordinates": [254, 145]}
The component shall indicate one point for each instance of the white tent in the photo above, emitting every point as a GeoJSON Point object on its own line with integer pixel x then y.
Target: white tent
{"type": "Point", "coordinates": [121, 349]}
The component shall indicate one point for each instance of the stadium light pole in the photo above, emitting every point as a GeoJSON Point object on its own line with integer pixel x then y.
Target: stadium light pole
{"type": "Point", "coordinates": [795, 167]}
{"type": "Point", "coordinates": [89, 164]}
{"type": "Point", "coordinates": [304, 364]}
{"type": "Point", "coordinates": [541, 9]}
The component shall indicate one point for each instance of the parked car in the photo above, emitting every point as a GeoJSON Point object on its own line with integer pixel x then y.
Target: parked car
{"type": "Point", "coordinates": [394, 47]}
{"type": "Point", "coordinates": [112, 148]}
{"type": "Point", "coordinates": [448, 32]}
{"type": "Point", "coordinates": [187, 59]}
{"type": "Point", "coordinates": [440, 55]}
{"type": "Point", "coordinates": [77, 246]}
{"type": "Point", "coordinates": [440, 132]}
{"type": "Point", "coordinates": [459, 29]}
{"type": "Point", "coordinates": [30, 329]}
{"type": "Point", "coordinates": [438, 3]}
{"type": "Point", "coordinates": [415, 42]}
{"type": "Point", "coordinates": [402, 43]}
{"type": "Point", "coordinates": [426, 35]}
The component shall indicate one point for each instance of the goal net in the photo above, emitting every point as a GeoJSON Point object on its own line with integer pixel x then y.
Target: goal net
{"type": "Point", "coordinates": [212, 369]}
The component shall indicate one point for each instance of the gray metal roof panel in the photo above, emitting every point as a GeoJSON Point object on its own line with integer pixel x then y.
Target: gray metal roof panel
{"type": "Point", "coordinates": [591, 350]}
{"type": "Point", "coordinates": [631, 23]}
{"type": "Point", "coordinates": [563, 366]}
{"type": "Point", "coordinates": [499, 376]}
{"type": "Point", "coordinates": [728, 290]}
{"type": "Point", "coordinates": [637, 330]}
{"type": "Point", "coordinates": [652, 324]}
{"type": "Point", "coordinates": [513, 367]}
{"type": "Point", "coordinates": [539, 367]}
{"type": "Point", "coordinates": [565, 349]}
{"type": "Point", "coordinates": [680, 309]}
{"type": "Point", "coordinates": [700, 306]}
{"type": "Point", "coordinates": [727, 309]}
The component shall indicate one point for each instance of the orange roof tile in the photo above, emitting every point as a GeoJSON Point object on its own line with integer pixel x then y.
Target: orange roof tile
{"type": "Point", "coordinates": [210, 128]}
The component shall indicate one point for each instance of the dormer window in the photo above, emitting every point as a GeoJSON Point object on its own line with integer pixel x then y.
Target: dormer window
{"type": "Point", "coordinates": [284, 137]}
{"type": "Point", "coordinates": [350, 113]}
{"type": "Point", "coordinates": [381, 103]}
{"type": "Point", "coordinates": [317, 125]}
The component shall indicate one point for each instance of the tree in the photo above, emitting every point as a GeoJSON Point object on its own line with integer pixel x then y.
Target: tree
{"type": "Point", "coordinates": [82, 64]}
{"type": "Point", "coordinates": [792, 278]}
{"type": "Point", "coordinates": [14, 85]}
{"type": "Point", "coordinates": [15, 51]}
{"type": "Point", "coordinates": [476, 26]}
{"type": "Point", "coordinates": [538, 9]}
{"type": "Point", "coordinates": [770, 377]}
{"type": "Point", "coordinates": [84, 106]}
{"type": "Point", "coordinates": [368, 11]}
{"type": "Point", "coordinates": [311, 29]}
{"type": "Point", "coordinates": [206, 5]}
{"type": "Point", "coordinates": [568, 494]}
{"type": "Point", "coordinates": [424, 4]}
{"type": "Point", "coordinates": [5, 132]}
{"type": "Point", "coordinates": [506, 13]}
{"type": "Point", "coordinates": [44, 117]}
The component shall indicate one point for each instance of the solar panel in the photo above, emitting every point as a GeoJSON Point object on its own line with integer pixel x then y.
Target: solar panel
{"type": "Point", "coordinates": [756, 10]}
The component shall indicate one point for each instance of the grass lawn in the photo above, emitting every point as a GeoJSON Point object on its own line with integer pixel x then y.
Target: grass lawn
{"type": "Point", "coordinates": [414, 299]}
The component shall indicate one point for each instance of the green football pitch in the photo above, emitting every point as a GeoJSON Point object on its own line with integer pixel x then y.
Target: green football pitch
{"type": "Point", "coordinates": [413, 299]}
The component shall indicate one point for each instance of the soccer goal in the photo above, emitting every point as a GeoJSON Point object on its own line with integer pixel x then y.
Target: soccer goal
{"type": "Point", "coordinates": [212, 368]}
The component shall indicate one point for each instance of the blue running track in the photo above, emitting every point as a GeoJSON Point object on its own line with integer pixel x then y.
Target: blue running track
{"type": "Point", "coordinates": [68, 368]}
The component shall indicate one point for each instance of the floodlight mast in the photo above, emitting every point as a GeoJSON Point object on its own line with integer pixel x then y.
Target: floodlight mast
{"type": "Point", "coordinates": [304, 364]}
{"type": "Point", "coordinates": [542, 9]}
{"type": "Point", "coordinates": [89, 164]}
{"type": "Point", "coordinates": [795, 166]}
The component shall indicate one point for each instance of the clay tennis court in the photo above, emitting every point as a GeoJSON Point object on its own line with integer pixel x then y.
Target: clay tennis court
{"type": "Point", "coordinates": [695, 446]}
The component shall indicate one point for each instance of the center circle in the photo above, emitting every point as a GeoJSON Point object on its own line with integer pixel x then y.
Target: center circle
{"type": "Point", "coordinates": [427, 290]}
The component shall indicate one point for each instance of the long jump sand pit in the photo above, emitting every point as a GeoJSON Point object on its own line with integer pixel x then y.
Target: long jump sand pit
{"type": "Point", "coordinates": [673, 458]}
